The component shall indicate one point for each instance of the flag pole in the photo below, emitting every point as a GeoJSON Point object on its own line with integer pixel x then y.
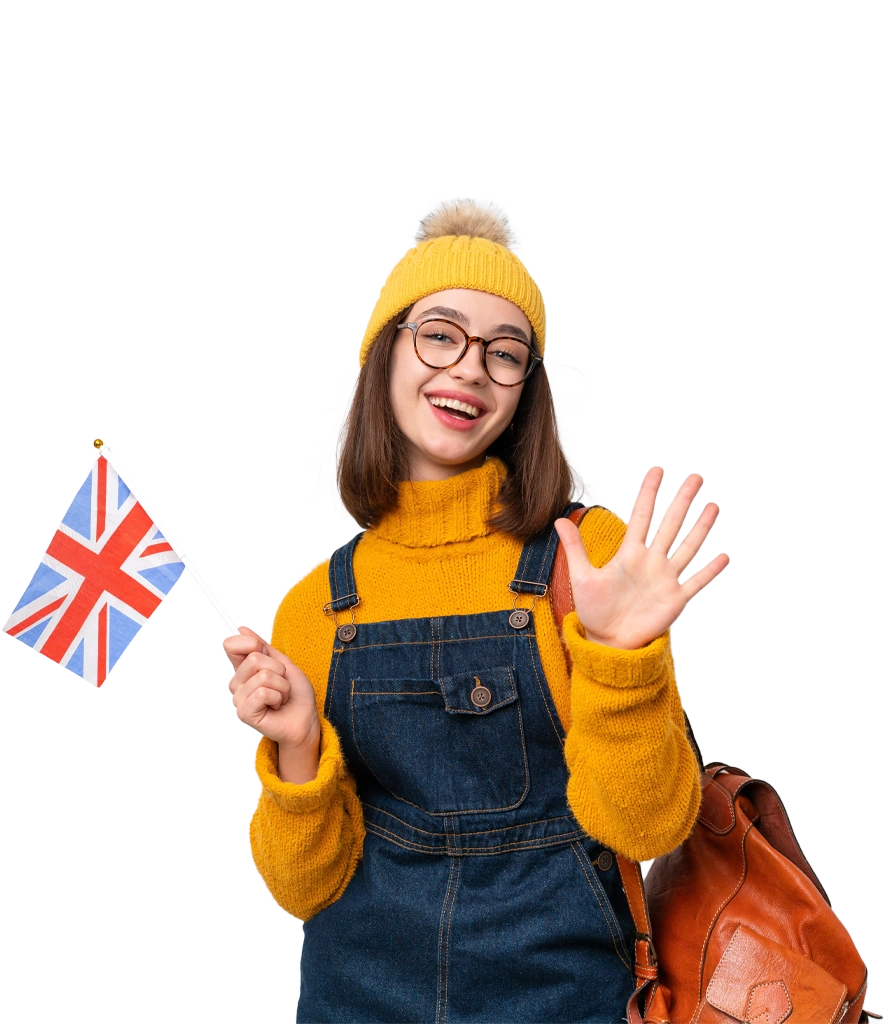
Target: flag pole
{"type": "Point", "coordinates": [108, 455]}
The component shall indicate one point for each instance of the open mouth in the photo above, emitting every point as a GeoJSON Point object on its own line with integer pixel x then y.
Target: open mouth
{"type": "Point", "coordinates": [461, 410]}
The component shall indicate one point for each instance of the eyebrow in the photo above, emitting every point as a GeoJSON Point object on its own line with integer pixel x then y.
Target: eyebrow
{"type": "Point", "coordinates": [454, 314]}
{"type": "Point", "coordinates": [445, 311]}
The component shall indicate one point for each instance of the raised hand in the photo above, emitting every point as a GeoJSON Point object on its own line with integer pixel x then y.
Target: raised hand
{"type": "Point", "coordinates": [636, 596]}
{"type": "Point", "coordinates": [276, 698]}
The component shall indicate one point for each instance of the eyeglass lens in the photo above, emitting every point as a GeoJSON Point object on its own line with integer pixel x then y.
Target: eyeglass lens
{"type": "Point", "coordinates": [440, 344]}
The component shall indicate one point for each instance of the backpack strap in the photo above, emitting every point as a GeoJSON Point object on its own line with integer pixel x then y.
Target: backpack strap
{"type": "Point", "coordinates": [646, 969]}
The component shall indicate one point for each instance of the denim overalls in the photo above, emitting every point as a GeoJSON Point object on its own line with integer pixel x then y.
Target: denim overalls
{"type": "Point", "coordinates": [478, 896]}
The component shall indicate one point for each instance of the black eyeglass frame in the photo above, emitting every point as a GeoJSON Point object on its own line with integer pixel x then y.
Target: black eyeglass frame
{"type": "Point", "coordinates": [469, 340]}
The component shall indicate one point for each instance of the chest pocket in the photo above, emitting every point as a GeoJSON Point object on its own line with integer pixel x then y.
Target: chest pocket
{"type": "Point", "coordinates": [454, 744]}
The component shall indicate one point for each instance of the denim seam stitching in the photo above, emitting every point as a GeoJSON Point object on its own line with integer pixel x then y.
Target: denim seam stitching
{"type": "Point", "coordinates": [416, 643]}
{"type": "Point", "coordinates": [479, 832]}
{"type": "Point", "coordinates": [331, 686]}
{"type": "Point", "coordinates": [349, 567]}
{"type": "Point", "coordinates": [449, 931]}
{"type": "Point", "coordinates": [451, 708]}
{"type": "Point", "coordinates": [440, 814]}
{"type": "Point", "coordinates": [443, 916]}
{"type": "Point", "coordinates": [519, 571]}
{"type": "Point", "coordinates": [544, 700]}
{"type": "Point", "coordinates": [543, 573]}
{"type": "Point", "coordinates": [568, 838]}
{"type": "Point", "coordinates": [598, 898]}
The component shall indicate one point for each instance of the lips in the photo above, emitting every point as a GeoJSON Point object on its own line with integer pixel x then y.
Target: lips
{"type": "Point", "coordinates": [459, 397]}
{"type": "Point", "coordinates": [454, 406]}
{"type": "Point", "coordinates": [453, 410]}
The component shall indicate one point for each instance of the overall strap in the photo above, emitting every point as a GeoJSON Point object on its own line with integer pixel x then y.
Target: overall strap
{"type": "Point", "coordinates": [537, 558]}
{"type": "Point", "coordinates": [342, 587]}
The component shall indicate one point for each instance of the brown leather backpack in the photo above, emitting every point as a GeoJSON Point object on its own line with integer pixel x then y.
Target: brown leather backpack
{"type": "Point", "coordinates": [733, 925]}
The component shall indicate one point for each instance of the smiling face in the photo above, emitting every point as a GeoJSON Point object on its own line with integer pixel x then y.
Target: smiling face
{"type": "Point", "coordinates": [442, 439]}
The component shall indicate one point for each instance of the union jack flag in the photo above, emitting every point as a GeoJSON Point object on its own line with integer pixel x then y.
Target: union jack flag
{"type": "Point", "coordinates": [106, 570]}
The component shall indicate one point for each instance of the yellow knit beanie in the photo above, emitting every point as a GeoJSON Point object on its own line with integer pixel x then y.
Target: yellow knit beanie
{"type": "Point", "coordinates": [460, 245]}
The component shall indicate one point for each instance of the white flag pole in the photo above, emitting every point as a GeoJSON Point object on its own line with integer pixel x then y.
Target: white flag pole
{"type": "Point", "coordinates": [107, 454]}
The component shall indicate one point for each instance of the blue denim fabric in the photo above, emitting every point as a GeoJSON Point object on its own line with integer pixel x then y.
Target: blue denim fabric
{"type": "Point", "coordinates": [477, 897]}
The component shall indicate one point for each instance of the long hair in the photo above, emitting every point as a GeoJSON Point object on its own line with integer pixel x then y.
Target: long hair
{"type": "Point", "coordinates": [373, 451]}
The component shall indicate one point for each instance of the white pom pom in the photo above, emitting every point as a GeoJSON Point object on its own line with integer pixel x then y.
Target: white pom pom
{"type": "Point", "coordinates": [466, 217]}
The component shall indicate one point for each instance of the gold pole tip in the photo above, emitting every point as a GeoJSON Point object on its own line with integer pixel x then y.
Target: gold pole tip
{"type": "Point", "coordinates": [97, 443]}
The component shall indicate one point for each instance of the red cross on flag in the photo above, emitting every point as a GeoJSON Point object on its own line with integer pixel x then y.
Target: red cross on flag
{"type": "Point", "coordinates": [104, 573]}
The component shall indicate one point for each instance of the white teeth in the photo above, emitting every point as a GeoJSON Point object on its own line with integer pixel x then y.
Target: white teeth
{"type": "Point", "coordinates": [452, 403]}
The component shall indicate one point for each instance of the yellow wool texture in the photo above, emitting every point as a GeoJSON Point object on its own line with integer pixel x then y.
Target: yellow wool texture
{"type": "Point", "coordinates": [634, 783]}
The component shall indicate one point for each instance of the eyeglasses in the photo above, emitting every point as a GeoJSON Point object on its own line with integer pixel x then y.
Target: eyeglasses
{"type": "Point", "coordinates": [440, 344]}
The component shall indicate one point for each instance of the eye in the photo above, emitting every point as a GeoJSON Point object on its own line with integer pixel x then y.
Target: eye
{"type": "Point", "coordinates": [508, 352]}
{"type": "Point", "coordinates": [437, 334]}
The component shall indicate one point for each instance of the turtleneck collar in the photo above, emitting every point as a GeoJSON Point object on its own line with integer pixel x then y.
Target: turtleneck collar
{"type": "Point", "coordinates": [432, 512]}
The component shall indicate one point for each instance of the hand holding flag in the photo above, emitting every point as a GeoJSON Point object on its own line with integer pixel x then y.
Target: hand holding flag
{"type": "Point", "coordinates": [276, 698]}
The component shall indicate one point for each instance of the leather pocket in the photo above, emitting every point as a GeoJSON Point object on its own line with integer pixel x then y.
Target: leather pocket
{"type": "Point", "coordinates": [761, 982]}
{"type": "Point", "coordinates": [453, 745]}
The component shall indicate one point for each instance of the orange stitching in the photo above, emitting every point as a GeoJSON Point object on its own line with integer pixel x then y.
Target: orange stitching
{"type": "Point", "coordinates": [443, 914]}
{"type": "Point", "coordinates": [440, 814]}
{"type": "Point", "coordinates": [472, 851]}
{"type": "Point", "coordinates": [394, 693]}
{"type": "Point", "coordinates": [721, 907]}
{"type": "Point", "coordinates": [482, 832]}
{"type": "Point", "coordinates": [417, 643]}
{"type": "Point", "coordinates": [331, 685]}
{"type": "Point", "coordinates": [604, 914]}
{"type": "Point", "coordinates": [449, 929]}
{"type": "Point", "coordinates": [544, 701]}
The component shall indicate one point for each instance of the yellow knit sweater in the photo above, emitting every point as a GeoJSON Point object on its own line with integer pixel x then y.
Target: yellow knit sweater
{"type": "Point", "coordinates": [633, 780]}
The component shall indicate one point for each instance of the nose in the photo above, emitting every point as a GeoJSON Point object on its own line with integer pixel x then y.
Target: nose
{"type": "Point", "coordinates": [470, 367]}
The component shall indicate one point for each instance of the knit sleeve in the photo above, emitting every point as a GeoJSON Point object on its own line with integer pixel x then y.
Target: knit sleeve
{"type": "Point", "coordinates": [634, 780]}
{"type": "Point", "coordinates": [306, 838]}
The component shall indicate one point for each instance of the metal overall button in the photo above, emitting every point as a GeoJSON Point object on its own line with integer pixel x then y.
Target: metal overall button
{"type": "Point", "coordinates": [480, 695]}
{"type": "Point", "coordinates": [520, 617]}
{"type": "Point", "coordinates": [347, 632]}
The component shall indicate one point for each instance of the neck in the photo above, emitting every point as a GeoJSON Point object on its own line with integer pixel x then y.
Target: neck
{"type": "Point", "coordinates": [426, 469]}
{"type": "Point", "coordinates": [451, 510]}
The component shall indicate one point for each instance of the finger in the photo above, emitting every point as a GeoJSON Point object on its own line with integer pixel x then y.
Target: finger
{"type": "Point", "coordinates": [256, 662]}
{"type": "Point", "coordinates": [693, 541]}
{"type": "Point", "coordinates": [673, 519]}
{"type": "Point", "coordinates": [642, 513]}
{"type": "Point", "coordinates": [256, 705]}
{"type": "Point", "coordinates": [246, 642]}
{"type": "Point", "coordinates": [270, 697]}
{"type": "Point", "coordinates": [253, 665]}
{"type": "Point", "coordinates": [272, 689]}
{"type": "Point", "coordinates": [266, 648]}
{"type": "Point", "coordinates": [246, 631]}
{"type": "Point", "coordinates": [702, 578]}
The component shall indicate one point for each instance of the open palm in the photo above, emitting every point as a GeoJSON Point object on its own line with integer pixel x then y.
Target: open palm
{"type": "Point", "coordinates": [637, 595]}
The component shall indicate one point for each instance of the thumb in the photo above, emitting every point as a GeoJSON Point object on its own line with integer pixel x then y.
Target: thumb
{"type": "Point", "coordinates": [578, 562]}
{"type": "Point", "coordinates": [246, 631]}
{"type": "Point", "coordinates": [266, 648]}
{"type": "Point", "coordinates": [245, 643]}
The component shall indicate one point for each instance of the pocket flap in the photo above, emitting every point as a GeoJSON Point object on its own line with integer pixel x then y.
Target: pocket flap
{"type": "Point", "coordinates": [761, 982]}
{"type": "Point", "coordinates": [478, 693]}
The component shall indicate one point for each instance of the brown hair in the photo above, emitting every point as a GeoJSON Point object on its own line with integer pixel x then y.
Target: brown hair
{"type": "Point", "coordinates": [373, 452]}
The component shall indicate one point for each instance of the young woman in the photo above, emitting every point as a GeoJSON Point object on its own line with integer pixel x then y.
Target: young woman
{"type": "Point", "coordinates": [440, 794]}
